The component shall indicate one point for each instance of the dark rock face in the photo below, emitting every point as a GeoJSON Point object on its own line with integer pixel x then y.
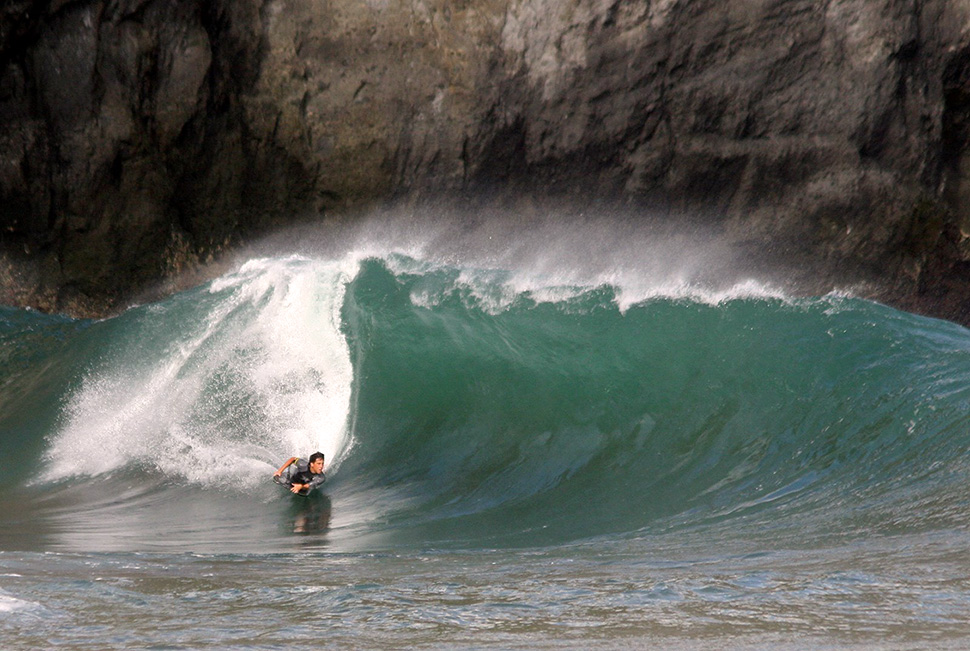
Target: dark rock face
{"type": "Point", "coordinates": [139, 137]}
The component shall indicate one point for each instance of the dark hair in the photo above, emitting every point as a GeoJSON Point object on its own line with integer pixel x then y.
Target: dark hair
{"type": "Point", "coordinates": [315, 456]}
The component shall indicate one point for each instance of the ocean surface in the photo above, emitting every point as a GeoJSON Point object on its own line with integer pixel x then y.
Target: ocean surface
{"type": "Point", "coordinates": [543, 454]}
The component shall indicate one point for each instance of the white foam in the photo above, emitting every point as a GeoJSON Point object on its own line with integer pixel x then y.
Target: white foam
{"type": "Point", "coordinates": [495, 291]}
{"type": "Point", "coordinates": [10, 604]}
{"type": "Point", "coordinates": [263, 374]}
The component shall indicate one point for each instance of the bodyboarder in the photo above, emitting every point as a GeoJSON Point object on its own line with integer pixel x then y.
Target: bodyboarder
{"type": "Point", "coordinates": [306, 478]}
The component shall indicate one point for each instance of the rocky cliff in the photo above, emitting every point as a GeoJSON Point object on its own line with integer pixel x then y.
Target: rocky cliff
{"type": "Point", "coordinates": [140, 137]}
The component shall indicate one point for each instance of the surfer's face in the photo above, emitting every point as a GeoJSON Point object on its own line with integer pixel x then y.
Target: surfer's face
{"type": "Point", "coordinates": [317, 466]}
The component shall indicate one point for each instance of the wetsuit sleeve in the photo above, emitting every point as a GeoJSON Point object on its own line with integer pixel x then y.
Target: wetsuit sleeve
{"type": "Point", "coordinates": [286, 465]}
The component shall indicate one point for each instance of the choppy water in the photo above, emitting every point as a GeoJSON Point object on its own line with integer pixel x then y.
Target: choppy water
{"type": "Point", "coordinates": [514, 460]}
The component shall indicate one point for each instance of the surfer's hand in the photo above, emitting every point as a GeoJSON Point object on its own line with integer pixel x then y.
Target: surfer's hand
{"type": "Point", "coordinates": [296, 488]}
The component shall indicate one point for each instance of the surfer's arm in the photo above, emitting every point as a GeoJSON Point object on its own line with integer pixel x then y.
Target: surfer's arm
{"type": "Point", "coordinates": [285, 466]}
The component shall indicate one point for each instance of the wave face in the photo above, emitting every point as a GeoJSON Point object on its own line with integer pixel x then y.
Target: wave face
{"type": "Point", "coordinates": [461, 406]}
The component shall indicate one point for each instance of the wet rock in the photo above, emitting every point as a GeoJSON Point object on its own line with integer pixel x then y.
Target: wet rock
{"type": "Point", "coordinates": [138, 135]}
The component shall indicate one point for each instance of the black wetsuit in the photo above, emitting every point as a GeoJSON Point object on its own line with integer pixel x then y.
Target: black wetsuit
{"type": "Point", "coordinates": [306, 477]}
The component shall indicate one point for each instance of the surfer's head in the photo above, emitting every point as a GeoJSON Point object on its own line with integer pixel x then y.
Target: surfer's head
{"type": "Point", "coordinates": [316, 462]}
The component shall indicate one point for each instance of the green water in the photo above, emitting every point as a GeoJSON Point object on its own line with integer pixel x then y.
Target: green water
{"type": "Point", "coordinates": [509, 464]}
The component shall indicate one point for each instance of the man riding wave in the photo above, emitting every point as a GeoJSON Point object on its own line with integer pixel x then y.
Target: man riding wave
{"type": "Point", "coordinates": [307, 477]}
